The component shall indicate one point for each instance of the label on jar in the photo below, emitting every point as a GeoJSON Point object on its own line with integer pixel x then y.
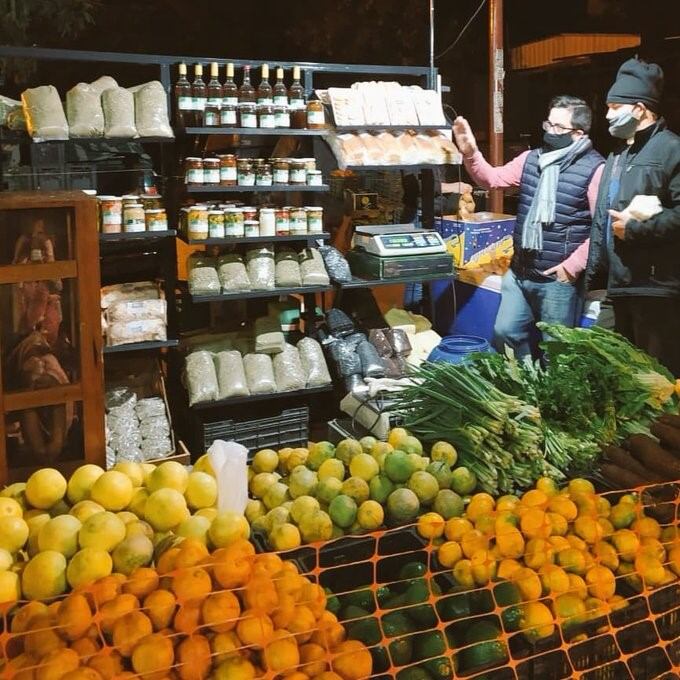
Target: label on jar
{"type": "Point", "coordinates": [210, 118]}
{"type": "Point", "coordinates": [199, 103]}
{"type": "Point", "coordinates": [198, 226]}
{"type": "Point", "coordinates": [158, 224]}
{"type": "Point", "coordinates": [229, 101]}
{"type": "Point", "coordinates": [281, 100]}
{"type": "Point", "coordinates": [263, 180]}
{"type": "Point", "coordinates": [228, 174]}
{"type": "Point", "coordinates": [267, 120]}
{"type": "Point", "coordinates": [267, 222]}
{"type": "Point", "coordinates": [185, 103]}
{"type": "Point", "coordinates": [233, 224]}
{"type": "Point", "coordinates": [251, 228]}
{"type": "Point", "coordinates": [314, 179]}
{"type": "Point", "coordinates": [134, 224]}
{"type": "Point", "coordinates": [314, 223]}
{"type": "Point", "coordinates": [298, 223]}
{"type": "Point", "coordinates": [265, 100]}
{"type": "Point", "coordinates": [248, 120]}
{"type": "Point", "coordinates": [281, 176]}
{"type": "Point", "coordinates": [298, 176]}
{"type": "Point", "coordinates": [228, 116]}
{"type": "Point", "coordinates": [282, 225]}
{"type": "Point", "coordinates": [194, 176]}
{"type": "Point", "coordinates": [215, 229]}
{"type": "Point", "coordinates": [211, 175]}
{"type": "Point", "coordinates": [316, 118]}
{"type": "Point", "coordinates": [246, 179]}
{"type": "Point", "coordinates": [282, 120]}
{"type": "Point", "coordinates": [297, 104]}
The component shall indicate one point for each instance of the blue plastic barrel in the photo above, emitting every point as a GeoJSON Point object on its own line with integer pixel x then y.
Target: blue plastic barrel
{"type": "Point", "coordinates": [456, 348]}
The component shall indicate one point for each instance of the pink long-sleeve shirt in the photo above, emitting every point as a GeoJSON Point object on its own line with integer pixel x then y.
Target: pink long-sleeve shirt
{"type": "Point", "coordinates": [510, 175]}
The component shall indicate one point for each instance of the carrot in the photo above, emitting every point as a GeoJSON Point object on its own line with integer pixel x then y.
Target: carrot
{"type": "Point", "coordinates": [653, 457]}
{"type": "Point", "coordinates": [621, 478]}
{"type": "Point", "coordinates": [670, 419]}
{"type": "Point", "coordinates": [669, 436]}
{"type": "Point", "coordinates": [625, 460]}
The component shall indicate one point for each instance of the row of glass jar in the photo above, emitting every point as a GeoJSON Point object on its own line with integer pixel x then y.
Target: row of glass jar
{"type": "Point", "coordinates": [131, 213]}
{"type": "Point", "coordinates": [265, 116]}
{"type": "Point", "coordinates": [202, 221]}
{"type": "Point", "coordinates": [228, 170]}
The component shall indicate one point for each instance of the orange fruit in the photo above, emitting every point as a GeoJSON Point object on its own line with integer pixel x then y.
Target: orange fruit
{"type": "Point", "coordinates": [74, 616]}
{"type": "Point", "coordinates": [194, 658]}
{"type": "Point", "coordinates": [235, 668]}
{"type": "Point", "coordinates": [85, 647]}
{"type": "Point", "coordinates": [225, 645]}
{"type": "Point", "coordinates": [232, 566]}
{"type": "Point", "coordinates": [285, 612]}
{"type": "Point", "coordinates": [191, 552]}
{"type": "Point", "coordinates": [21, 621]}
{"type": "Point", "coordinates": [646, 527]}
{"type": "Point", "coordinates": [192, 583]}
{"type": "Point", "coordinates": [153, 657]}
{"type": "Point", "coordinates": [456, 527]}
{"type": "Point", "coordinates": [535, 524]}
{"type": "Point", "coordinates": [104, 590]}
{"type": "Point", "coordinates": [303, 624]}
{"type": "Point", "coordinates": [141, 582]}
{"type": "Point", "coordinates": [42, 638]}
{"type": "Point", "coordinates": [352, 661]}
{"type": "Point", "coordinates": [56, 663]}
{"type": "Point", "coordinates": [314, 598]}
{"type": "Point", "coordinates": [107, 662]}
{"type": "Point", "coordinates": [601, 582]}
{"type": "Point", "coordinates": [254, 628]}
{"type": "Point", "coordinates": [188, 617]}
{"type": "Point", "coordinates": [260, 595]}
{"type": "Point", "coordinates": [160, 608]}
{"type": "Point", "coordinates": [535, 498]}
{"type": "Point", "coordinates": [221, 611]}
{"type": "Point", "coordinates": [129, 630]}
{"type": "Point", "coordinates": [312, 660]}
{"type": "Point", "coordinates": [329, 633]}
{"type": "Point", "coordinates": [268, 563]}
{"type": "Point", "coordinates": [281, 653]}
{"type": "Point", "coordinates": [82, 673]}
{"type": "Point", "coordinates": [115, 609]}
{"type": "Point", "coordinates": [165, 564]}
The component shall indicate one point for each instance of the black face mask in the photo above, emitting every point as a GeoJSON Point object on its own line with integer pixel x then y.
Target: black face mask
{"type": "Point", "coordinates": [553, 142]}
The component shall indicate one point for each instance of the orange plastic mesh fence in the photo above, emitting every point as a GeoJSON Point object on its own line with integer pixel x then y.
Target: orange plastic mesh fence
{"type": "Point", "coordinates": [236, 614]}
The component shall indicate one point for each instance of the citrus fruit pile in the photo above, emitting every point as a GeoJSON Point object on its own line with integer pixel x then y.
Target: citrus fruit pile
{"type": "Point", "coordinates": [556, 556]}
{"type": "Point", "coordinates": [324, 492]}
{"type": "Point", "coordinates": [231, 615]}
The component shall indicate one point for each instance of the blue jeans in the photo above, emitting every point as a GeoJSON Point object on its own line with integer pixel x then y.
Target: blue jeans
{"type": "Point", "coordinates": [524, 302]}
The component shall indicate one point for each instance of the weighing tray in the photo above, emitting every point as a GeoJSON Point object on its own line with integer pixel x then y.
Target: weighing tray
{"type": "Point", "coordinates": [373, 267]}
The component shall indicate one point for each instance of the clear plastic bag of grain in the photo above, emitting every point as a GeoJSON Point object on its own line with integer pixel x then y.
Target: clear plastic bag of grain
{"type": "Point", "coordinates": [84, 111]}
{"type": "Point", "coordinates": [232, 272]}
{"type": "Point", "coordinates": [203, 278]}
{"type": "Point", "coordinates": [151, 110]}
{"type": "Point", "coordinates": [288, 371]}
{"type": "Point", "coordinates": [287, 270]}
{"type": "Point", "coordinates": [155, 448]}
{"type": "Point", "coordinates": [261, 268]}
{"type": "Point", "coordinates": [119, 113]}
{"type": "Point", "coordinates": [155, 428]}
{"type": "Point", "coordinates": [269, 337]}
{"type": "Point", "coordinates": [231, 375]}
{"type": "Point", "coordinates": [151, 407]}
{"type": "Point", "coordinates": [312, 268]}
{"type": "Point", "coordinates": [313, 363]}
{"type": "Point", "coordinates": [45, 117]}
{"type": "Point", "coordinates": [200, 378]}
{"type": "Point", "coordinates": [259, 373]}
{"type": "Point", "coordinates": [336, 264]}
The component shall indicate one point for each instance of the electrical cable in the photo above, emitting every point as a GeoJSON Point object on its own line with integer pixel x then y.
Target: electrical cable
{"type": "Point", "coordinates": [460, 35]}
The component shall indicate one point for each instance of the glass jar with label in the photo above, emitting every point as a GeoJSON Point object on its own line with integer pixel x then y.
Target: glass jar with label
{"type": "Point", "coordinates": [228, 115]}
{"type": "Point", "coordinates": [282, 222]}
{"type": "Point", "coordinates": [314, 178]}
{"type": "Point", "coordinates": [211, 114]}
{"type": "Point", "coordinates": [245, 174]}
{"type": "Point", "coordinates": [193, 171]}
{"type": "Point", "coordinates": [133, 217]}
{"type": "Point", "coordinates": [156, 219]}
{"type": "Point", "coordinates": [251, 228]}
{"type": "Point", "coordinates": [249, 212]}
{"type": "Point", "coordinates": [310, 163]}
{"type": "Point", "coordinates": [228, 174]}
{"type": "Point", "coordinates": [110, 214]}
{"type": "Point", "coordinates": [298, 118]}
{"type": "Point", "coordinates": [281, 171]}
{"type": "Point", "coordinates": [298, 172]}
{"type": "Point", "coordinates": [216, 223]}
{"type": "Point", "coordinates": [316, 117]}
{"type": "Point", "coordinates": [233, 223]}
{"type": "Point", "coordinates": [263, 175]}
{"type": "Point", "coordinates": [211, 170]}
{"type": "Point", "coordinates": [151, 201]}
{"type": "Point", "coordinates": [247, 115]}
{"type": "Point", "coordinates": [265, 116]}
{"type": "Point", "coordinates": [314, 219]}
{"type": "Point", "coordinates": [197, 223]}
{"type": "Point", "coordinates": [267, 221]}
{"type": "Point", "coordinates": [298, 221]}
{"type": "Point", "coordinates": [281, 117]}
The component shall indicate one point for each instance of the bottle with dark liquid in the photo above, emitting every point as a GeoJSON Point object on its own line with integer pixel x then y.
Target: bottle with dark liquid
{"type": "Point", "coordinates": [296, 93]}
{"type": "Point", "coordinates": [246, 93]}
{"type": "Point", "coordinates": [184, 107]}
{"type": "Point", "coordinates": [280, 89]}
{"type": "Point", "coordinates": [199, 94]}
{"type": "Point", "coordinates": [211, 117]}
{"type": "Point", "coordinates": [264, 91]}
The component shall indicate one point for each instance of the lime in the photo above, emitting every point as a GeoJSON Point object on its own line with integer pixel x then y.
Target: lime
{"type": "Point", "coordinates": [463, 481]}
{"type": "Point", "coordinates": [403, 505]}
{"type": "Point", "coordinates": [364, 466]}
{"type": "Point", "coordinates": [319, 453]}
{"type": "Point", "coordinates": [411, 445]}
{"type": "Point", "coordinates": [398, 467]}
{"type": "Point", "coordinates": [347, 449]}
{"type": "Point", "coordinates": [276, 494]}
{"type": "Point", "coordinates": [417, 461]}
{"type": "Point", "coordinates": [331, 468]}
{"type": "Point", "coordinates": [380, 488]}
{"type": "Point", "coordinates": [303, 505]}
{"type": "Point", "coordinates": [343, 511]}
{"type": "Point", "coordinates": [356, 488]}
{"type": "Point", "coordinates": [448, 504]}
{"type": "Point", "coordinates": [302, 482]}
{"type": "Point", "coordinates": [328, 489]}
{"type": "Point", "coordinates": [367, 443]}
{"type": "Point", "coordinates": [441, 471]}
{"type": "Point", "coordinates": [425, 486]}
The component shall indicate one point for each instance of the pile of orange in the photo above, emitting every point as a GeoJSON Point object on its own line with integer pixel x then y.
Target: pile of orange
{"type": "Point", "coordinates": [232, 615]}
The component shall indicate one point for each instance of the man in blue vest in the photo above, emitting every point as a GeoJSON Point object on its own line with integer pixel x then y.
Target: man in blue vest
{"type": "Point", "coordinates": [558, 186]}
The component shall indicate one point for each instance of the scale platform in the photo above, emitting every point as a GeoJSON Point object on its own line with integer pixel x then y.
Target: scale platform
{"type": "Point", "coordinates": [369, 266]}
{"type": "Point", "coordinates": [397, 240]}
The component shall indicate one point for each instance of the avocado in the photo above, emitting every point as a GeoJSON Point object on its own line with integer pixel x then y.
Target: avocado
{"type": "Point", "coordinates": [483, 654]}
{"type": "Point", "coordinates": [439, 669]}
{"type": "Point", "coordinates": [365, 630]}
{"type": "Point", "coordinates": [512, 617]}
{"type": "Point", "coordinates": [454, 607]}
{"type": "Point", "coordinates": [353, 612]}
{"type": "Point", "coordinates": [383, 594]}
{"type": "Point", "coordinates": [417, 592]}
{"type": "Point", "coordinates": [360, 598]}
{"type": "Point", "coordinates": [507, 593]}
{"type": "Point", "coordinates": [429, 645]}
{"type": "Point", "coordinates": [423, 616]}
{"type": "Point", "coordinates": [401, 650]}
{"type": "Point", "coordinates": [414, 673]}
{"type": "Point", "coordinates": [394, 602]}
{"type": "Point", "coordinates": [381, 660]}
{"type": "Point", "coordinates": [332, 602]}
{"type": "Point", "coordinates": [412, 570]}
{"type": "Point", "coordinates": [481, 632]}
{"type": "Point", "coordinates": [397, 623]}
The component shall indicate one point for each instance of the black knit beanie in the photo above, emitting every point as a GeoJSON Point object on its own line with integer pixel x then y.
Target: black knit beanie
{"type": "Point", "coordinates": [637, 81]}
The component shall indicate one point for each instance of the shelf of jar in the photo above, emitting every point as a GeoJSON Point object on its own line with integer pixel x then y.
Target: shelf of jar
{"type": "Point", "coordinates": [251, 294]}
{"type": "Point", "coordinates": [136, 236]}
{"type": "Point", "coordinates": [239, 189]}
{"type": "Point", "coordinates": [231, 240]}
{"type": "Point", "coordinates": [288, 132]}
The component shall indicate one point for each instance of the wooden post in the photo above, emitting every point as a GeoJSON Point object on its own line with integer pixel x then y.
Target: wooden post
{"type": "Point", "coordinates": [496, 77]}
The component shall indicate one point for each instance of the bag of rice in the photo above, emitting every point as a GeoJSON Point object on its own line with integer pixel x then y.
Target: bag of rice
{"type": "Point", "coordinates": [119, 113]}
{"type": "Point", "coordinates": [231, 375]}
{"type": "Point", "coordinates": [44, 113]}
{"type": "Point", "coordinates": [84, 111]}
{"type": "Point", "coordinates": [259, 373]}
{"type": "Point", "coordinates": [288, 371]}
{"type": "Point", "coordinates": [151, 110]}
{"type": "Point", "coordinates": [200, 378]}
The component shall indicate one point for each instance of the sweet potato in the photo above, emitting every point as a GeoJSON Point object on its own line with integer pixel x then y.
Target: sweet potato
{"type": "Point", "coordinates": [621, 478]}
{"type": "Point", "coordinates": [653, 457]}
{"type": "Point", "coordinates": [669, 435]}
{"type": "Point", "coordinates": [670, 419]}
{"type": "Point", "coordinates": [626, 461]}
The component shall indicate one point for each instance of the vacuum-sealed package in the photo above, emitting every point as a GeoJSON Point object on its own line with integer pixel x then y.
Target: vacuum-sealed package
{"type": "Point", "coordinates": [376, 336]}
{"type": "Point", "coordinates": [156, 447]}
{"type": "Point", "coordinates": [261, 268]}
{"type": "Point", "coordinates": [122, 422]}
{"type": "Point", "coordinates": [336, 264]}
{"type": "Point", "coordinates": [399, 341]}
{"type": "Point", "coordinates": [268, 336]}
{"type": "Point", "coordinates": [339, 324]}
{"type": "Point", "coordinates": [395, 367]}
{"type": "Point", "coordinates": [355, 339]}
{"type": "Point", "coordinates": [200, 378]}
{"type": "Point", "coordinates": [128, 292]}
{"type": "Point", "coordinates": [151, 110]}
{"type": "Point", "coordinates": [371, 363]}
{"type": "Point", "coordinates": [231, 375]}
{"type": "Point", "coordinates": [312, 268]}
{"type": "Point", "coordinates": [102, 84]}
{"type": "Point", "coordinates": [259, 373]}
{"type": "Point", "coordinates": [45, 117]}
{"type": "Point", "coordinates": [288, 371]}
{"type": "Point", "coordinates": [156, 427]}
{"type": "Point", "coordinates": [152, 407]}
{"type": "Point", "coordinates": [287, 270]}
{"type": "Point", "coordinates": [203, 278]}
{"type": "Point", "coordinates": [119, 113]}
{"type": "Point", "coordinates": [84, 111]}
{"type": "Point", "coordinates": [313, 363]}
{"type": "Point", "coordinates": [120, 399]}
{"type": "Point", "coordinates": [137, 310]}
{"type": "Point", "coordinates": [346, 358]}
{"type": "Point", "coordinates": [232, 273]}
{"type": "Point", "coordinates": [141, 330]}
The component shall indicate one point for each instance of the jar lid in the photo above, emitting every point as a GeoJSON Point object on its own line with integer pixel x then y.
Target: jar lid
{"type": "Point", "coordinates": [314, 172]}
{"type": "Point", "coordinates": [109, 198]}
{"type": "Point", "coordinates": [267, 210]}
{"type": "Point", "coordinates": [310, 207]}
{"type": "Point", "coordinates": [135, 205]}
{"type": "Point", "coordinates": [154, 210]}
{"type": "Point", "coordinates": [199, 207]}
{"type": "Point", "coordinates": [234, 209]}
{"type": "Point", "coordinates": [251, 222]}
{"type": "Point", "coordinates": [188, 158]}
{"type": "Point", "coordinates": [215, 212]}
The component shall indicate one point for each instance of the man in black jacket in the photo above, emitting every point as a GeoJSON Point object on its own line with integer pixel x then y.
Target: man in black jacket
{"type": "Point", "coordinates": [638, 261]}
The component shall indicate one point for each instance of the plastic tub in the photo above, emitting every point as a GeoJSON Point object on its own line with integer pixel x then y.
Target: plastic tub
{"type": "Point", "coordinates": [456, 348]}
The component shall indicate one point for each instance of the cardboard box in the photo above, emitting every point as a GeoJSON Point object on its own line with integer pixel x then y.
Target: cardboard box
{"type": "Point", "coordinates": [478, 240]}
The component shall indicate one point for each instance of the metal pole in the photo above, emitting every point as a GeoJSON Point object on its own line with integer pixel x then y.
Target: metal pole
{"type": "Point", "coordinates": [432, 83]}
{"type": "Point", "coordinates": [496, 77]}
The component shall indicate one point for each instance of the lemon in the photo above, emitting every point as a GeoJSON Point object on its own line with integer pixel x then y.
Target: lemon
{"type": "Point", "coordinates": [370, 515]}
{"type": "Point", "coordinates": [364, 466]}
{"type": "Point", "coordinates": [6, 560]}
{"type": "Point", "coordinates": [228, 527]}
{"type": "Point", "coordinates": [601, 582]}
{"type": "Point", "coordinates": [276, 494]}
{"type": "Point", "coordinates": [61, 535]}
{"type": "Point", "coordinates": [265, 460]}
{"type": "Point", "coordinates": [480, 504]}
{"type": "Point", "coordinates": [449, 553]}
{"type": "Point", "coordinates": [564, 506]}
{"type": "Point", "coordinates": [328, 489]}
{"type": "Point", "coordinates": [331, 468]}
{"type": "Point", "coordinates": [208, 513]}
{"type": "Point", "coordinates": [103, 531]}
{"type": "Point", "coordinates": [443, 451]}
{"type": "Point", "coordinates": [431, 525]}
{"type": "Point", "coordinates": [396, 436]}
{"type": "Point", "coordinates": [302, 482]}
{"type": "Point", "coordinates": [137, 503]}
{"type": "Point", "coordinates": [260, 483]}
{"type": "Point", "coordinates": [424, 485]}
{"type": "Point", "coordinates": [82, 510]}
{"type": "Point", "coordinates": [201, 491]}
{"type": "Point", "coordinates": [13, 533]}
{"type": "Point", "coordinates": [132, 470]}
{"type": "Point", "coordinates": [195, 527]}
{"type": "Point", "coordinates": [357, 489]}
{"type": "Point", "coordinates": [45, 488]}
{"type": "Point", "coordinates": [10, 508]}
{"type": "Point", "coordinates": [203, 464]}
{"type": "Point", "coordinates": [285, 536]}
{"type": "Point", "coordinates": [44, 576]}
{"type": "Point", "coordinates": [140, 528]}
{"type": "Point", "coordinates": [168, 475]}
{"type": "Point", "coordinates": [316, 526]}
{"type": "Point", "coordinates": [10, 587]}
{"type": "Point", "coordinates": [165, 509]}
{"type": "Point", "coordinates": [463, 481]}
{"type": "Point", "coordinates": [456, 527]}
{"type": "Point", "coordinates": [295, 458]}
{"type": "Point", "coordinates": [88, 565]}
{"type": "Point", "coordinates": [113, 490]}
{"type": "Point", "coordinates": [254, 509]}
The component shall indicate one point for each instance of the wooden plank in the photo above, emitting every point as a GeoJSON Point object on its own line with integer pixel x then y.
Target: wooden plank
{"type": "Point", "coordinates": [18, 200]}
{"type": "Point", "coordinates": [50, 396]}
{"type": "Point", "coordinates": [21, 273]}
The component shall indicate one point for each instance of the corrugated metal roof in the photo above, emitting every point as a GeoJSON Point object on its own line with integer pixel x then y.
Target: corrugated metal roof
{"type": "Point", "coordinates": [568, 45]}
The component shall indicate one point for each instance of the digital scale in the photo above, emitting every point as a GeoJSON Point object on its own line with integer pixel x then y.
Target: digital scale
{"type": "Point", "coordinates": [392, 251]}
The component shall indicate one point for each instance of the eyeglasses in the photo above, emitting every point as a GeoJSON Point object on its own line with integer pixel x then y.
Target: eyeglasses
{"type": "Point", "coordinates": [556, 127]}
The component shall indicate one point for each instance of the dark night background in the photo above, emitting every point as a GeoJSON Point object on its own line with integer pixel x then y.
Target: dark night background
{"type": "Point", "coordinates": [355, 31]}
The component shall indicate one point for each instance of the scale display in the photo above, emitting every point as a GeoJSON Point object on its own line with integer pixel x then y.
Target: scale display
{"type": "Point", "coordinates": [398, 240]}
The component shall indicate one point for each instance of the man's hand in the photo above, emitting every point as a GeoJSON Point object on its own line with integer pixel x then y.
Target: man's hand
{"type": "Point", "coordinates": [561, 274]}
{"type": "Point", "coordinates": [619, 221]}
{"type": "Point", "coordinates": [456, 188]}
{"type": "Point", "coordinates": [465, 139]}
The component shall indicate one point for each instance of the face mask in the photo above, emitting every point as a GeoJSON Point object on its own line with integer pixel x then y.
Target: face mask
{"type": "Point", "coordinates": [553, 142]}
{"type": "Point", "coordinates": [623, 125]}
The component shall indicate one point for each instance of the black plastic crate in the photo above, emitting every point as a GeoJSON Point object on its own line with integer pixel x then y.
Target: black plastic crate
{"type": "Point", "coordinates": [288, 429]}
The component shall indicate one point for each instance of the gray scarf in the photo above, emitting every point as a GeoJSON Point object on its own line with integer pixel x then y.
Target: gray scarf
{"type": "Point", "coordinates": [542, 210]}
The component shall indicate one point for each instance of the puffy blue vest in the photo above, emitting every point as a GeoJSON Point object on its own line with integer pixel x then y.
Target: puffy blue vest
{"type": "Point", "coordinates": [572, 215]}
